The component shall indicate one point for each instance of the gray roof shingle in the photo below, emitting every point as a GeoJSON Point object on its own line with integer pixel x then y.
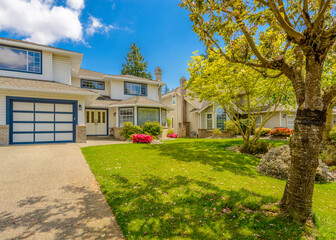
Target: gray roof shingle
{"type": "Point", "coordinates": [140, 101]}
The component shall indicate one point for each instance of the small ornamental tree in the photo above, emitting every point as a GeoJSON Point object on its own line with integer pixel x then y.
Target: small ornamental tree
{"type": "Point", "coordinates": [291, 38]}
{"type": "Point", "coordinates": [238, 90]}
{"type": "Point", "coordinates": [135, 64]}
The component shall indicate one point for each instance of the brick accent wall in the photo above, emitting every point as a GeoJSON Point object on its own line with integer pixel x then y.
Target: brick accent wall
{"type": "Point", "coordinates": [4, 135]}
{"type": "Point", "coordinates": [80, 134]}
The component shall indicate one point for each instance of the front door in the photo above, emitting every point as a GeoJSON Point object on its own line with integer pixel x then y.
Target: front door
{"type": "Point", "coordinates": [96, 122]}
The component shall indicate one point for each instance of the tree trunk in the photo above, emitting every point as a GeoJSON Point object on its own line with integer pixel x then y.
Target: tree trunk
{"type": "Point", "coordinates": [329, 120]}
{"type": "Point", "coordinates": [304, 146]}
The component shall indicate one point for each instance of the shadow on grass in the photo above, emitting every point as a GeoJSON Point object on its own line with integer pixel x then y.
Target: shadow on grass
{"type": "Point", "coordinates": [211, 153]}
{"type": "Point", "coordinates": [42, 217]}
{"type": "Point", "coordinates": [180, 207]}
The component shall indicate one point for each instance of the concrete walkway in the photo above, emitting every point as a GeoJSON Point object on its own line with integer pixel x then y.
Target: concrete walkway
{"type": "Point", "coordinates": [97, 141]}
{"type": "Point", "coordinates": [49, 192]}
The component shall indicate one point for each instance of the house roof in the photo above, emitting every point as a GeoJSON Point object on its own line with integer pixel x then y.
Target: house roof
{"type": "Point", "coordinates": [139, 101]}
{"type": "Point", "coordinates": [104, 101]}
{"type": "Point", "coordinates": [41, 86]}
{"type": "Point", "coordinates": [91, 74]}
{"type": "Point", "coordinates": [196, 102]}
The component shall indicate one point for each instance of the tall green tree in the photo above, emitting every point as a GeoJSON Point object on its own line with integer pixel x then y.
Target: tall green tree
{"type": "Point", "coordinates": [291, 38]}
{"type": "Point", "coordinates": [238, 90]}
{"type": "Point", "coordinates": [135, 64]}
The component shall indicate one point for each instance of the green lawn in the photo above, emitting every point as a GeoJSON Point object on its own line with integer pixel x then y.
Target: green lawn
{"type": "Point", "coordinates": [195, 189]}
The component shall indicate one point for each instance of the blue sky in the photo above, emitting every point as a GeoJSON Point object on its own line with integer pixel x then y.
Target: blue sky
{"type": "Point", "coordinates": [104, 30]}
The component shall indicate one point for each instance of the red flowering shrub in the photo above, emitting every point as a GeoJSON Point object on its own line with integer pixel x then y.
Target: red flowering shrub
{"type": "Point", "coordinates": [281, 132]}
{"type": "Point", "coordinates": [141, 138]}
{"type": "Point", "coordinates": [172, 135]}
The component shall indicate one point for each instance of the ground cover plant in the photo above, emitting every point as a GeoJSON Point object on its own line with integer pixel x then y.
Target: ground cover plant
{"type": "Point", "coordinates": [196, 189]}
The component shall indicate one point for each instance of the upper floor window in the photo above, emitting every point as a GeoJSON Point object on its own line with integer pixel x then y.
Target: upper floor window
{"type": "Point", "coordinates": [20, 60]}
{"type": "Point", "coordinates": [93, 84]}
{"type": "Point", "coordinates": [135, 89]}
{"type": "Point", "coordinates": [174, 99]}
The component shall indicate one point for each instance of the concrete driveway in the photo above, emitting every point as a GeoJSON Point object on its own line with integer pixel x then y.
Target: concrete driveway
{"type": "Point", "coordinates": [49, 192]}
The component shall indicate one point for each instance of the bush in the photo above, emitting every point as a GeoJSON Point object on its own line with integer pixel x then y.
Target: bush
{"type": "Point", "coordinates": [142, 138]}
{"type": "Point", "coordinates": [172, 135]}
{"type": "Point", "coordinates": [263, 131]}
{"type": "Point", "coordinates": [216, 133]}
{"type": "Point", "coordinates": [231, 127]}
{"type": "Point", "coordinates": [129, 129]}
{"type": "Point", "coordinates": [259, 147]}
{"type": "Point", "coordinates": [276, 164]}
{"type": "Point", "coordinates": [169, 122]}
{"type": "Point", "coordinates": [170, 132]}
{"type": "Point", "coordinates": [279, 132]}
{"type": "Point", "coordinates": [152, 128]}
{"type": "Point", "coordinates": [328, 154]}
{"type": "Point", "coordinates": [332, 135]}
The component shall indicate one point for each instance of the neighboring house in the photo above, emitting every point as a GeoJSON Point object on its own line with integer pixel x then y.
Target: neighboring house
{"type": "Point", "coordinates": [45, 97]}
{"type": "Point", "coordinates": [196, 118]}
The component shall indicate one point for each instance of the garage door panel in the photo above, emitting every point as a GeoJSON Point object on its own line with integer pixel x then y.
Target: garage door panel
{"type": "Point", "coordinates": [63, 117]}
{"type": "Point", "coordinates": [63, 136]}
{"type": "Point", "coordinates": [23, 138]}
{"type": "Point", "coordinates": [23, 106]}
{"type": "Point", "coordinates": [23, 127]}
{"type": "Point", "coordinates": [63, 108]}
{"type": "Point", "coordinates": [44, 137]}
{"type": "Point", "coordinates": [44, 117]}
{"type": "Point", "coordinates": [23, 117]}
{"type": "Point", "coordinates": [44, 127]}
{"type": "Point", "coordinates": [45, 107]}
{"type": "Point", "coordinates": [63, 127]}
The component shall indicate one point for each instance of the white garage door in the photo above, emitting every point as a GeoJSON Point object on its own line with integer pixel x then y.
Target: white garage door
{"type": "Point", "coordinates": [42, 121]}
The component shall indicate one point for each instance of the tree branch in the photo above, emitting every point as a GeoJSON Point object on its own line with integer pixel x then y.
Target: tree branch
{"type": "Point", "coordinates": [320, 16]}
{"type": "Point", "coordinates": [329, 94]}
{"type": "Point", "coordinates": [305, 14]}
{"type": "Point", "coordinates": [265, 75]}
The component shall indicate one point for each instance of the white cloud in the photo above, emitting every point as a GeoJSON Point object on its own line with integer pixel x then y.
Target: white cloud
{"type": "Point", "coordinates": [75, 4]}
{"type": "Point", "coordinates": [40, 21]}
{"type": "Point", "coordinates": [10, 58]}
{"type": "Point", "coordinates": [96, 25]}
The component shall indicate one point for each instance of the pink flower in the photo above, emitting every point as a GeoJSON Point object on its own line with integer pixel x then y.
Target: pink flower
{"type": "Point", "coordinates": [142, 138]}
{"type": "Point", "coordinates": [172, 135]}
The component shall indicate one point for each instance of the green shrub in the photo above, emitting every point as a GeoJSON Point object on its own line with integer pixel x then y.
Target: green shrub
{"type": "Point", "coordinates": [169, 122]}
{"type": "Point", "coordinates": [170, 131]}
{"type": "Point", "coordinates": [259, 147]}
{"type": "Point", "coordinates": [152, 128]}
{"type": "Point", "coordinates": [263, 131]}
{"type": "Point", "coordinates": [129, 129]}
{"type": "Point", "coordinates": [243, 124]}
{"type": "Point", "coordinates": [216, 133]}
{"type": "Point", "coordinates": [332, 135]}
{"type": "Point", "coordinates": [231, 127]}
{"type": "Point", "coordinates": [328, 154]}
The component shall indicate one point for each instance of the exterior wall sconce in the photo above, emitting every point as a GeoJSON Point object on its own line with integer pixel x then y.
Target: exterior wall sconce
{"type": "Point", "coordinates": [80, 107]}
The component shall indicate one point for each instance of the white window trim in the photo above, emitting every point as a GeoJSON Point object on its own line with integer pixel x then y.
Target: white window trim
{"type": "Point", "coordinates": [174, 100]}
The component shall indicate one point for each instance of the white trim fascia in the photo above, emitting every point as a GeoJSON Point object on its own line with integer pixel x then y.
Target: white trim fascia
{"type": "Point", "coordinates": [140, 105]}
{"type": "Point", "coordinates": [168, 94]}
{"type": "Point", "coordinates": [121, 78]}
{"type": "Point", "coordinates": [51, 91]}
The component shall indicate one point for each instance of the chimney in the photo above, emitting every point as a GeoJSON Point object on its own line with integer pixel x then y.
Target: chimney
{"type": "Point", "coordinates": [158, 77]}
{"type": "Point", "coordinates": [182, 100]}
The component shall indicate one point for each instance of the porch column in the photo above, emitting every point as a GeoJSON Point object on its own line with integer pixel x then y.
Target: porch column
{"type": "Point", "coordinates": [135, 115]}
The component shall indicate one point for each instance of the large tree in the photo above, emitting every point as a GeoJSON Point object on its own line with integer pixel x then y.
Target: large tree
{"type": "Point", "coordinates": [291, 38]}
{"type": "Point", "coordinates": [242, 93]}
{"type": "Point", "coordinates": [135, 63]}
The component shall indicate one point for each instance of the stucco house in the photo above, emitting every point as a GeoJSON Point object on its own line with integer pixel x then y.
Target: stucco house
{"type": "Point", "coordinates": [46, 97]}
{"type": "Point", "coordinates": [196, 118]}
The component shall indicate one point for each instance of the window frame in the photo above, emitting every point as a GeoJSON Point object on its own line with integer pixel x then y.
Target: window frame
{"type": "Point", "coordinates": [159, 113]}
{"type": "Point", "coordinates": [220, 119]}
{"type": "Point", "coordinates": [87, 80]}
{"type": "Point", "coordinates": [24, 49]}
{"type": "Point", "coordinates": [207, 121]}
{"type": "Point", "coordinates": [166, 117]}
{"type": "Point", "coordinates": [122, 108]}
{"type": "Point", "coordinates": [174, 100]}
{"type": "Point", "coordinates": [135, 83]}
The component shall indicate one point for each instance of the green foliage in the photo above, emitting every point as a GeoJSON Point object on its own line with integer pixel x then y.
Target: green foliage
{"type": "Point", "coordinates": [170, 131]}
{"type": "Point", "coordinates": [259, 147]}
{"type": "Point", "coordinates": [231, 127]}
{"type": "Point", "coordinates": [169, 122]}
{"type": "Point", "coordinates": [129, 129]}
{"type": "Point", "coordinates": [332, 135]}
{"type": "Point", "coordinates": [328, 154]}
{"type": "Point", "coordinates": [135, 64]}
{"type": "Point", "coordinates": [263, 131]}
{"type": "Point", "coordinates": [152, 128]}
{"type": "Point", "coordinates": [161, 181]}
{"type": "Point", "coordinates": [216, 133]}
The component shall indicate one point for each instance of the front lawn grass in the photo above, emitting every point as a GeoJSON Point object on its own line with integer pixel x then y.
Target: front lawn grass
{"type": "Point", "coordinates": [195, 189]}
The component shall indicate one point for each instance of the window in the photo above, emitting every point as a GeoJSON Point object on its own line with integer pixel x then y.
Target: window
{"type": "Point", "coordinates": [20, 60]}
{"type": "Point", "coordinates": [148, 115]}
{"type": "Point", "coordinates": [174, 99]}
{"type": "Point", "coordinates": [104, 117]}
{"type": "Point", "coordinates": [93, 84]}
{"type": "Point", "coordinates": [221, 118]}
{"type": "Point", "coordinates": [290, 121]}
{"type": "Point", "coordinates": [87, 117]}
{"type": "Point", "coordinates": [135, 89]}
{"type": "Point", "coordinates": [209, 121]}
{"type": "Point", "coordinates": [125, 115]}
{"type": "Point", "coordinates": [258, 121]}
{"type": "Point", "coordinates": [164, 117]}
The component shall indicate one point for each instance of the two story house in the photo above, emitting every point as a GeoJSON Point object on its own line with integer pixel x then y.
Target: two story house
{"type": "Point", "coordinates": [45, 97]}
